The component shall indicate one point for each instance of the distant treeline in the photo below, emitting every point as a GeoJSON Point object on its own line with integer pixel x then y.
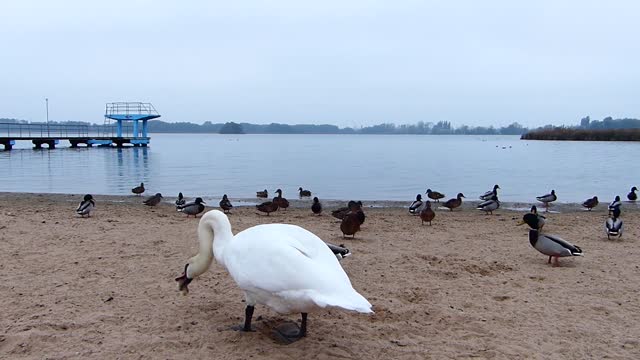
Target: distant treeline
{"type": "Point", "coordinates": [606, 130]}
{"type": "Point", "coordinates": [420, 128]}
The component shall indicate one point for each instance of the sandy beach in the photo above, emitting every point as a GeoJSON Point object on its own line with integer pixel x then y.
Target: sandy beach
{"type": "Point", "coordinates": [469, 286]}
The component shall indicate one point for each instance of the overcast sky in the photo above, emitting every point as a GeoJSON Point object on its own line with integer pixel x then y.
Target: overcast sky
{"type": "Point", "coordinates": [349, 63]}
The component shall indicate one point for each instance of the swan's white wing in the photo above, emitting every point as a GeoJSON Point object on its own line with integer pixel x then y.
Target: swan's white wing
{"type": "Point", "coordinates": [291, 264]}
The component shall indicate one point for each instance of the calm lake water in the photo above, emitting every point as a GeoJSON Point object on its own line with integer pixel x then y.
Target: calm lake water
{"type": "Point", "coordinates": [376, 167]}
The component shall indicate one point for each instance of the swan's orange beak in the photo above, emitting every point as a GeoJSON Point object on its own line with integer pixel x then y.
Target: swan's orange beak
{"type": "Point", "coordinates": [183, 282]}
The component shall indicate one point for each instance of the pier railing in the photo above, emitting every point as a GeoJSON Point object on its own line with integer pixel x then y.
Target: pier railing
{"type": "Point", "coordinates": [42, 130]}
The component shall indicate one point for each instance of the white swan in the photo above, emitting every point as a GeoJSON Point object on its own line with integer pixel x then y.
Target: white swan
{"type": "Point", "coordinates": [284, 267]}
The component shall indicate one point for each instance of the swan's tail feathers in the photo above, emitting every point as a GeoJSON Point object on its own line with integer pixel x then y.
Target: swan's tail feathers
{"type": "Point", "coordinates": [352, 302]}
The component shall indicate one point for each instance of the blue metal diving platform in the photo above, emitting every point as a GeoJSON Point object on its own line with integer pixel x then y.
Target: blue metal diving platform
{"type": "Point", "coordinates": [135, 112]}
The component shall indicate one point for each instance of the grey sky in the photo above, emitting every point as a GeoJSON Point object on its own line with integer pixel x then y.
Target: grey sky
{"type": "Point", "coordinates": [348, 63]}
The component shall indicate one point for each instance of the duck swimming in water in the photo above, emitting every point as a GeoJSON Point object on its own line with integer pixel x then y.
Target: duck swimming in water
{"type": "Point", "coordinates": [284, 267]}
{"type": "Point", "coordinates": [304, 193]}
{"type": "Point", "coordinates": [86, 206]}
{"type": "Point", "coordinates": [262, 194]}
{"type": "Point", "coordinates": [632, 196]}
{"type": "Point", "coordinates": [550, 245]}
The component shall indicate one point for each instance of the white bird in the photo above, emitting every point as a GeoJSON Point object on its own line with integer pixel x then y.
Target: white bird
{"type": "Point", "coordinates": [613, 225]}
{"type": "Point", "coordinates": [284, 267]}
{"type": "Point", "coordinates": [86, 206]}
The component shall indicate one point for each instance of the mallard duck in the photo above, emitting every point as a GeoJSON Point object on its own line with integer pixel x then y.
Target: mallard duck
{"type": "Point", "coordinates": [193, 208]}
{"type": "Point", "coordinates": [427, 214]}
{"type": "Point", "coordinates": [548, 198]}
{"type": "Point", "coordinates": [340, 251]}
{"type": "Point", "coordinates": [490, 205]}
{"type": "Point", "coordinates": [632, 196]}
{"type": "Point", "coordinates": [613, 225]}
{"type": "Point", "coordinates": [138, 190]}
{"type": "Point", "coordinates": [282, 202]}
{"type": "Point", "coordinates": [285, 267]}
{"type": "Point", "coordinates": [153, 200]}
{"type": "Point", "coordinates": [181, 201]}
{"type": "Point", "coordinates": [360, 212]}
{"type": "Point", "coordinates": [491, 193]}
{"type": "Point", "coordinates": [590, 203]}
{"type": "Point", "coordinates": [262, 194]}
{"type": "Point", "coordinates": [86, 206]}
{"type": "Point", "coordinates": [550, 245]}
{"type": "Point", "coordinates": [267, 207]}
{"type": "Point", "coordinates": [340, 213]}
{"type": "Point", "coordinates": [434, 195]}
{"type": "Point", "coordinates": [316, 207]}
{"type": "Point", "coordinates": [615, 204]}
{"type": "Point", "coordinates": [415, 206]}
{"type": "Point", "coordinates": [350, 224]}
{"type": "Point", "coordinates": [454, 203]}
{"type": "Point", "coordinates": [304, 192]}
{"type": "Point", "coordinates": [225, 204]}
{"type": "Point", "coordinates": [541, 218]}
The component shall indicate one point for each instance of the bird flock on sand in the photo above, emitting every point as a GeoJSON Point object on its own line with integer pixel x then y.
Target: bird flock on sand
{"type": "Point", "coordinates": [291, 270]}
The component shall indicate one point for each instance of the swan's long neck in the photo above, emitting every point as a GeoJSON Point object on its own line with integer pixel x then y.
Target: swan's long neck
{"type": "Point", "coordinates": [214, 233]}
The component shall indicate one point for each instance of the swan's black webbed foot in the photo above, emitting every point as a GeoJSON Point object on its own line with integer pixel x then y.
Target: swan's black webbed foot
{"type": "Point", "coordinates": [290, 332]}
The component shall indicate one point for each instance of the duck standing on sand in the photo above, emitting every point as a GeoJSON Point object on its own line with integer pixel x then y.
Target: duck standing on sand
{"type": "Point", "coordinates": [591, 203]}
{"type": "Point", "coordinates": [154, 200]}
{"type": "Point", "coordinates": [284, 267]}
{"type": "Point", "coordinates": [86, 206]}
{"type": "Point", "coordinates": [415, 206]}
{"type": "Point", "coordinates": [280, 201]}
{"type": "Point", "coordinates": [613, 225]}
{"type": "Point", "coordinates": [267, 207]}
{"type": "Point", "coordinates": [340, 213]}
{"type": "Point", "coordinates": [360, 213]}
{"type": "Point", "coordinates": [181, 201]}
{"type": "Point", "coordinates": [350, 224]}
{"type": "Point", "coordinates": [632, 196]}
{"type": "Point", "coordinates": [193, 208]}
{"type": "Point", "coordinates": [434, 195]}
{"type": "Point", "coordinates": [304, 193]}
{"type": "Point", "coordinates": [490, 205]}
{"type": "Point", "coordinates": [262, 194]}
{"type": "Point", "coordinates": [491, 193]}
{"type": "Point", "coordinates": [138, 190]}
{"type": "Point", "coordinates": [547, 199]}
{"type": "Point", "coordinates": [316, 207]}
{"type": "Point", "coordinates": [427, 214]}
{"type": "Point", "coordinates": [225, 204]}
{"type": "Point", "coordinates": [550, 245]}
{"type": "Point", "coordinates": [454, 203]}
{"type": "Point", "coordinates": [615, 204]}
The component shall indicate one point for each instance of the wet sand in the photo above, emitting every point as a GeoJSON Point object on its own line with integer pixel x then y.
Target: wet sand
{"type": "Point", "coordinates": [470, 286]}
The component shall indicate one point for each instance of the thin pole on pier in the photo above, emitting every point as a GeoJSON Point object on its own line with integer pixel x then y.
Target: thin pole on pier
{"type": "Point", "coordinates": [47, 101]}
